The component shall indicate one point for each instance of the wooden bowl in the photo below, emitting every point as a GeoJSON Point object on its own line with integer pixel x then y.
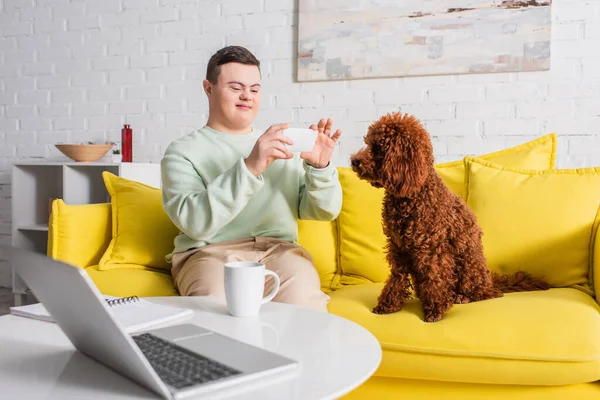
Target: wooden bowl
{"type": "Point", "coordinates": [84, 152]}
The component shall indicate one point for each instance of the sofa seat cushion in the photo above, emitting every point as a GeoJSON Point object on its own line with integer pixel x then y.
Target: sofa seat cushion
{"type": "Point", "coordinates": [381, 388]}
{"type": "Point", "coordinates": [532, 338]}
{"type": "Point", "coordinates": [124, 282]}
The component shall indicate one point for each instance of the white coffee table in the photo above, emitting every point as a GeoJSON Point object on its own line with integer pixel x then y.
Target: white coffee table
{"type": "Point", "coordinates": [37, 361]}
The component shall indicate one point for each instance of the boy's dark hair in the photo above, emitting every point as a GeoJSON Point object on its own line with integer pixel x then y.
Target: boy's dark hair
{"type": "Point", "coordinates": [226, 55]}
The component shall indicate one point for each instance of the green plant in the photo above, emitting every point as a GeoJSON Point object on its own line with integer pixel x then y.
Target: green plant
{"type": "Point", "coordinates": [99, 142]}
{"type": "Point", "coordinates": [116, 151]}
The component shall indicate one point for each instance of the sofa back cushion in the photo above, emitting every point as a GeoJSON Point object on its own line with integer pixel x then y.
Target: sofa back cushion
{"type": "Point", "coordinates": [541, 221]}
{"type": "Point", "coordinates": [536, 154]}
{"type": "Point", "coordinates": [361, 239]}
{"type": "Point", "coordinates": [320, 239]}
{"type": "Point", "coordinates": [142, 233]}
{"type": "Point", "coordinates": [595, 271]}
{"type": "Point", "coordinates": [362, 242]}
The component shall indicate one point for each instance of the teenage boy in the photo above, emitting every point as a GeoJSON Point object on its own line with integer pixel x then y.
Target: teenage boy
{"type": "Point", "coordinates": [236, 193]}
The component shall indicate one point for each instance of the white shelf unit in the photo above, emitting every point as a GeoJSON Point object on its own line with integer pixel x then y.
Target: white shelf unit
{"type": "Point", "coordinates": [36, 184]}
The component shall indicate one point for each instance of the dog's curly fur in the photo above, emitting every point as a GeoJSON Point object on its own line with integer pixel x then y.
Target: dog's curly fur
{"type": "Point", "coordinates": [432, 235]}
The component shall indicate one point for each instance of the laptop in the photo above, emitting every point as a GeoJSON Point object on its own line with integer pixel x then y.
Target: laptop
{"type": "Point", "coordinates": [175, 362]}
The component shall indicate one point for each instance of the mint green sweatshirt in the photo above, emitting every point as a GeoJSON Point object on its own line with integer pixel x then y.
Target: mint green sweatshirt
{"type": "Point", "coordinates": [212, 197]}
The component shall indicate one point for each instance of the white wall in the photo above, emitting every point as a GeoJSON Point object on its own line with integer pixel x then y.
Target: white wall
{"type": "Point", "coordinates": [73, 71]}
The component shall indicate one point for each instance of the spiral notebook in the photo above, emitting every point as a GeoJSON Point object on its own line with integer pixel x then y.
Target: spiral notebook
{"type": "Point", "coordinates": [133, 313]}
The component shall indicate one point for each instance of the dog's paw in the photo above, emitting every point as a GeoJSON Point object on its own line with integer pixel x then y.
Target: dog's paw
{"type": "Point", "coordinates": [433, 317]}
{"type": "Point", "coordinates": [381, 310]}
{"type": "Point", "coordinates": [491, 293]}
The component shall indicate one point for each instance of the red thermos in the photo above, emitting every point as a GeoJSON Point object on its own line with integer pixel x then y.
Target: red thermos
{"type": "Point", "coordinates": [126, 144]}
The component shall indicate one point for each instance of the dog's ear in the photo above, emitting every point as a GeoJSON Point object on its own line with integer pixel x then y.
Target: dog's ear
{"type": "Point", "coordinates": [405, 167]}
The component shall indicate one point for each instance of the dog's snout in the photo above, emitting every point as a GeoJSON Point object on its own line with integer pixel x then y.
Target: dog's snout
{"type": "Point", "coordinates": [355, 162]}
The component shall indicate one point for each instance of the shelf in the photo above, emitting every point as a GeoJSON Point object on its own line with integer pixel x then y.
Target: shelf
{"type": "Point", "coordinates": [22, 291]}
{"type": "Point", "coordinates": [35, 227]}
{"type": "Point", "coordinates": [78, 163]}
{"type": "Point", "coordinates": [36, 184]}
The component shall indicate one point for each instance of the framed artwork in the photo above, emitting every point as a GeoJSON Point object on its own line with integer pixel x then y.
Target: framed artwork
{"type": "Point", "coordinates": [350, 39]}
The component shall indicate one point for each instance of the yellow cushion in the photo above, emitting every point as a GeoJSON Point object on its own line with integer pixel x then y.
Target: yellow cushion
{"type": "Point", "coordinates": [536, 154]}
{"type": "Point", "coordinates": [595, 273]}
{"type": "Point", "coordinates": [78, 234]}
{"type": "Point", "coordinates": [124, 282]}
{"type": "Point", "coordinates": [319, 238]}
{"type": "Point", "coordinates": [541, 221]}
{"type": "Point", "coordinates": [522, 338]}
{"type": "Point", "coordinates": [142, 233]}
{"type": "Point", "coordinates": [419, 389]}
{"type": "Point", "coordinates": [362, 242]}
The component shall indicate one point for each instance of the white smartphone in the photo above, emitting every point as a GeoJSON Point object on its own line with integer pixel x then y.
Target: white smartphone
{"type": "Point", "coordinates": [304, 139]}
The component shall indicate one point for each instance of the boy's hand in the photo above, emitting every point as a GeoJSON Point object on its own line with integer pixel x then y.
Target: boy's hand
{"type": "Point", "coordinates": [320, 156]}
{"type": "Point", "coordinates": [269, 147]}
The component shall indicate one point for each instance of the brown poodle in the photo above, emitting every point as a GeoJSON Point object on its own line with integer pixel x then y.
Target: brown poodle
{"type": "Point", "coordinates": [432, 235]}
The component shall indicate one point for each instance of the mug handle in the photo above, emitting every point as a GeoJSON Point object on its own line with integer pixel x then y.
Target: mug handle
{"type": "Point", "coordinates": [270, 296]}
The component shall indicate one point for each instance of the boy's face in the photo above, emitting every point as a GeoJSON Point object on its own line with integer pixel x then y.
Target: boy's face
{"type": "Point", "coordinates": [236, 96]}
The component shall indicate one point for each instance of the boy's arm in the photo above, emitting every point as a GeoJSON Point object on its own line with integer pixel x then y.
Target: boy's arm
{"type": "Point", "coordinates": [201, 209]}
{"type": "Point", "coordinates": [320, 193]}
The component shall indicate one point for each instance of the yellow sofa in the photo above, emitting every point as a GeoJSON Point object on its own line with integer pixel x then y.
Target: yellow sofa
{"type": "Point", "coordinates": [537, 345]}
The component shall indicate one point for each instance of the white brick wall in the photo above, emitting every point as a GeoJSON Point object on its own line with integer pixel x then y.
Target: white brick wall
{"type": "Point", "coordinates": [78, 70]}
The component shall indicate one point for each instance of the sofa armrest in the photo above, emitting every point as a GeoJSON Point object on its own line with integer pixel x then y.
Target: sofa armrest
{"type": "Point", "coordinates": [79, 234]}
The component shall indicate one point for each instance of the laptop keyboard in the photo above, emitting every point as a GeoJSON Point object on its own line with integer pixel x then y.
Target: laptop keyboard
{"type": "Point", "coordinates": [179, 367]}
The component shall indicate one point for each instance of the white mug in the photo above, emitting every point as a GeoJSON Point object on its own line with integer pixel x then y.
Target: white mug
{"type": "Point", "coordinates": [245, 287]}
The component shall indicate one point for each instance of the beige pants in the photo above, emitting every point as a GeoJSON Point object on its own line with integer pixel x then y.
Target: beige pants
{"type": "Point", "coordinates": [200, 272]}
